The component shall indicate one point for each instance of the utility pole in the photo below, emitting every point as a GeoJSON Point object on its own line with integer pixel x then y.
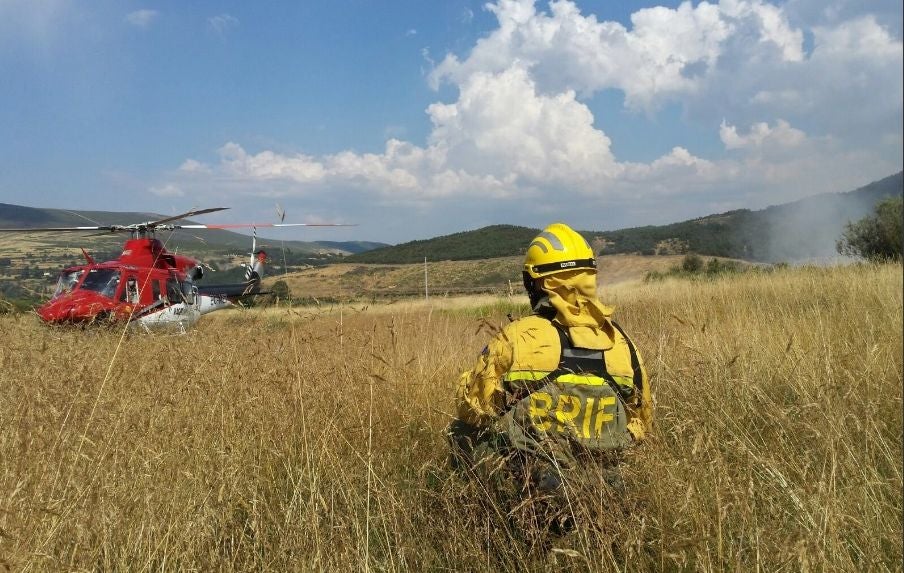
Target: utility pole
{"type": "Point", "coordinates": [426, 294]}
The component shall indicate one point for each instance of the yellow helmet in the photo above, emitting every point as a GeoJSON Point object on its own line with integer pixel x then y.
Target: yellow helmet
{"type": "Point", "coordinates": [558, 248]}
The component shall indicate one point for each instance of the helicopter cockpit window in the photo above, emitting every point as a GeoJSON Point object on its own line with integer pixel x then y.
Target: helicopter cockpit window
{"type": "Point", "coordinates": [102, 281]}
{"type": "Point", "coordinates": [67, 282]}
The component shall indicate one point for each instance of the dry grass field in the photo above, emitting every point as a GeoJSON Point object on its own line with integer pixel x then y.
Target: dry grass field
{"type": "Point", "coordinates": [492, 275]}
{"type": "Point", "coordinates": [311, 439]}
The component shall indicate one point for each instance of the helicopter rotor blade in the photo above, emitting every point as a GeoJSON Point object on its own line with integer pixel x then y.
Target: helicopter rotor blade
{"type": "Point", "coordinates": [165, 223]}
{"type": "Point", "coordinates": [249, 225]}
{"type": "Point", "coordinates": [55, 229]}
{"type": "Point", "coordinates": [157, 223]}
{"type": "Point", "coordinates": [103, 233]}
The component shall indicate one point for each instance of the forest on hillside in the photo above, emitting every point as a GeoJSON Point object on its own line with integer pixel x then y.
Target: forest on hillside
{"type": "Point", "coordinates": [485, 243]}
{"type": "Point", "coordinates": [804, 229]}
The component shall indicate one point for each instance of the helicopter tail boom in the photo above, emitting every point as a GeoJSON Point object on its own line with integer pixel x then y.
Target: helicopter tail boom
{"type": "Point", "coordinates": [218, 297]}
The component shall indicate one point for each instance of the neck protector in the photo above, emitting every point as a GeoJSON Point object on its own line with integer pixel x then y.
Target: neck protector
{"type": "Point", "coordinates": [573, 295]}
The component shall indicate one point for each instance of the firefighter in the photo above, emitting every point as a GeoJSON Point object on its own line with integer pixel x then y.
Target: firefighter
{"type": "Point", "coordinates": [556, 387]}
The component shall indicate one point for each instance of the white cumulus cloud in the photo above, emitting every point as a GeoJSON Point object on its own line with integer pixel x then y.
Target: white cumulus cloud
{"type": "Point", "coordinates": [760, 135]}
{"type": "Point", "coordinates": [194, 166]}
{"type": "Point", "coordinates": [501, 126]}
{"type": "Point", "coordinates": [665, 53]}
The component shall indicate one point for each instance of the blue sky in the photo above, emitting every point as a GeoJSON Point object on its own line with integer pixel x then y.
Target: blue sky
{"type": "Point", "coordinates": [414, 119]}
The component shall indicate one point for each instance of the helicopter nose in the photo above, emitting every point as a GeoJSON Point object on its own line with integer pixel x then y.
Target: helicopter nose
{"type": "Point", "coordinates": [48, 312]}
{"type": "Point", "coordinates": [55, 311]}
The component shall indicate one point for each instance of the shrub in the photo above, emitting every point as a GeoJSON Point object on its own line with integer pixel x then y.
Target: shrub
{"type": "Point", "coordinates": [717, 267]}
{"type": "Point", "coordinates": [280, 289]}
{"type": "Point", "coordinates": [692, 263]}
{"type": "Point", "coordinates": [877, 236]}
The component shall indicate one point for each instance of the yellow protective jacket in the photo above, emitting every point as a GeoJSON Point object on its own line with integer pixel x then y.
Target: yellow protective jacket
{"type": "Point", "coordinates": [518, 381]}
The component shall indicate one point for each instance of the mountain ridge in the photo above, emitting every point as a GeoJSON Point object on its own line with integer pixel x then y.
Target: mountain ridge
{"type": "Point", "coordinates": [804, 229]}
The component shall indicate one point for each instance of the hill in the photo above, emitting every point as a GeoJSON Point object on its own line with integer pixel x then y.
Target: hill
{"type": "Point", "coordinates": [352, 246]}
{"type": "Point", "coordinates": [485, 243]}
{"type": "Point", "coordinates": [804, 229]}
{"type": "Point", "coordinates": [801, 230]}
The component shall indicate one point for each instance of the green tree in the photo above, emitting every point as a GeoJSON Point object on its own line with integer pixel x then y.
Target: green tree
{"type": "Point", "coordinates": [877, 236]}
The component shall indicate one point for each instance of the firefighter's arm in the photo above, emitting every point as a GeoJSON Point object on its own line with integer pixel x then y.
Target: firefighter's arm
{"type": "Point", "coordinates": [641, 419]}
{"type": "Point", "coordinates": [480, 395]}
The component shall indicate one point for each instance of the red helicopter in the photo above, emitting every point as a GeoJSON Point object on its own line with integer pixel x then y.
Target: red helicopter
{"type": "Point", "coordinates": [148, 285]}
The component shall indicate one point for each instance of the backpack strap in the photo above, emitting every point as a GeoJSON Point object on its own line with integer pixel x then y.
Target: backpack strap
{"type": "Point", "coordinates": [635, 361]}
{"type": "Point", "coordinates": [576, 360]}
